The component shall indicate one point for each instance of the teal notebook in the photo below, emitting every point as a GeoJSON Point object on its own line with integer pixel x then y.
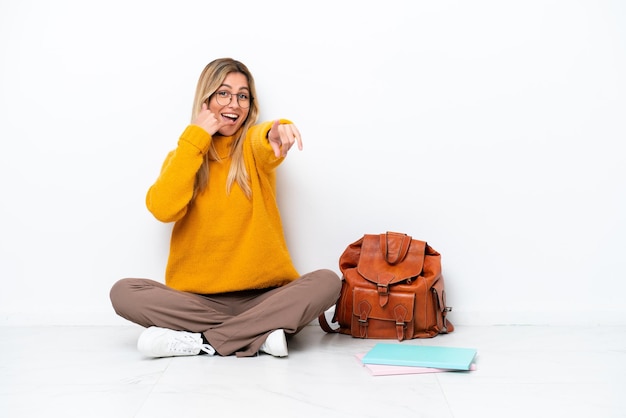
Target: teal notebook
{"type": "Point", "coordinates": [455, 358]}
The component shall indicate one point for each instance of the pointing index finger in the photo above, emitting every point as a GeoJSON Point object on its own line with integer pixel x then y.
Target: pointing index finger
{"type": "Point", "coordinates": [296, 135]}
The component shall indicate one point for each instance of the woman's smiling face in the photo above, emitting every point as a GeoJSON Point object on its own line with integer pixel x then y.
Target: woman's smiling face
{"type": "Point", "coordinates": [233, 90]}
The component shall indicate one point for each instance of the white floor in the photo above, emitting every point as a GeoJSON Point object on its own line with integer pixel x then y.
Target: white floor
{"type": "Point", "coordinates": [521, 372]}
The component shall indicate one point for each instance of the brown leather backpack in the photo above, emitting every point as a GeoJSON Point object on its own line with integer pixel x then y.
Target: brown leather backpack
{"type": "Point", "coordinates": [392, 288]}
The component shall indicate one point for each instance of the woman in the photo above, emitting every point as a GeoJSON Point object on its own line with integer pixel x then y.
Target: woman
{"type": "Point", "coordinates": [230, 285]}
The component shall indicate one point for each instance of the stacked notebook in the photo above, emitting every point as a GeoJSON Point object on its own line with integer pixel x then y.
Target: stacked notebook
{"type": "Point", "coordinates": [398, 358]}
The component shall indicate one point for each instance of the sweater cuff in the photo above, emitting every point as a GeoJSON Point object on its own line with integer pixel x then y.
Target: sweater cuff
{"type": "Point", "coordinates": [265, 128]}
{"type": "Point", "coordinates": [261, 143]}
{"type": "Point", "coordinates": [196, 136]}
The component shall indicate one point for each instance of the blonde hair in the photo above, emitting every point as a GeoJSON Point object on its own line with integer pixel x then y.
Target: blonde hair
{"type": "Point", "coordinates": [210, 80]}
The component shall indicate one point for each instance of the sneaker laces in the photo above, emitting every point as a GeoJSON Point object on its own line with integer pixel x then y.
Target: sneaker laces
{"type": "Point", "coordinates": [189, 344]}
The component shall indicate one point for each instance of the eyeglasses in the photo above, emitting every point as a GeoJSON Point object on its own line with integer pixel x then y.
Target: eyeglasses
{"type": "Point", "coordinates": [224, 98]}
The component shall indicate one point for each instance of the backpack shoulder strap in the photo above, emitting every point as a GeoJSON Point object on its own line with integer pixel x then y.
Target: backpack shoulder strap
{"type": "Point", "coordinates": [324, 324]}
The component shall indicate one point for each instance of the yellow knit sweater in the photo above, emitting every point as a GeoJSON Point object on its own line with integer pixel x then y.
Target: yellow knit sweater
{"type": "Point", "coordinates": [222, 241]}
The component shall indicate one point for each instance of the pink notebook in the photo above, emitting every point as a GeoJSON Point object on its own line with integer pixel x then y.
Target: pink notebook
{"type": "Point", "coordinates": [383, 370]}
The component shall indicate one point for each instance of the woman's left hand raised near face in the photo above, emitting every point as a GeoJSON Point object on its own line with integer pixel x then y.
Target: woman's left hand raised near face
{"type": "Point", "coordinates": [282, 137]}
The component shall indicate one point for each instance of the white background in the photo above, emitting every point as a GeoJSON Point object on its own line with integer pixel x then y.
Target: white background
{"type": "Point", "coordinates": [493, 130]}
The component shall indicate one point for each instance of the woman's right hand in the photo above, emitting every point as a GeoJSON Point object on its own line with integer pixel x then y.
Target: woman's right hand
{"type": "Point", "coordinates": [207, 120]}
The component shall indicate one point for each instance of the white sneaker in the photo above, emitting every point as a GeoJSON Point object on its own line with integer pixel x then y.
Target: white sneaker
{"type": "Point", "coordinates": [164, 342]}
{"type": "Point", "coordinates": [275, 344]}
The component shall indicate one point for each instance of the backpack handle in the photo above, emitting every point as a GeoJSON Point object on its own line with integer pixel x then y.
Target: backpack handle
{"type": "Point", "coordinates": [394, 246]}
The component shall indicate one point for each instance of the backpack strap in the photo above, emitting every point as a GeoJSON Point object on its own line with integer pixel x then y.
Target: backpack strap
{"type": "Point", "coordinates": [324, 324]}
{"type": "Point", "coordinates": [400, 312]}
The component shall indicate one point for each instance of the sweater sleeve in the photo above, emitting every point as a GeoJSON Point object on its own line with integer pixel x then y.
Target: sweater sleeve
{"type": "Point", "coordinates": [261, 148]}
{"type": "Point", "coordinates": [168, 198]}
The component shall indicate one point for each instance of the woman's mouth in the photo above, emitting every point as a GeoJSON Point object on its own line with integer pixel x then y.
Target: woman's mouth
{"type": "Point", "coordinates": [230, 117]}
